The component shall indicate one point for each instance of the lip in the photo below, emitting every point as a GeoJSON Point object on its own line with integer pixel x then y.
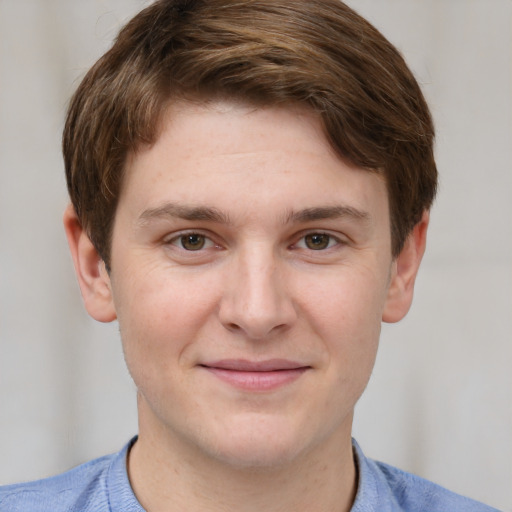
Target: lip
{"type": "Point", "coordinates": [255, 376]}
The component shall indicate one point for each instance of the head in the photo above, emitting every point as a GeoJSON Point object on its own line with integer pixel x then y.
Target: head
{"type": "Point", "coordinates": [249, 183]}
{"type": "Point", "coordinates": [315, 53]}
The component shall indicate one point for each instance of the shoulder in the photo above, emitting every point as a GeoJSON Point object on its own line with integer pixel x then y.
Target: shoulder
{"type": "Point", "coordinates": [415, 493]}
{"type": "Point", "coordinates": [386, 488]}
{"type": "Point", "coordinates": [82, 489]}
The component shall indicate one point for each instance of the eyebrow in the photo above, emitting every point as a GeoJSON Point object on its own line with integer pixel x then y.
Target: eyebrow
{"type": "Point", "coordinates": [180, 211]}
{"type": "Point", "coordinates": [211, 214]}
{"type": "Point", "coordinates": [327, 212]}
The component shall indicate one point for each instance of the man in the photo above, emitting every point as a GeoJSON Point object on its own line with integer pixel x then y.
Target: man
{"type": "Point", "coordinates": [250, 184]}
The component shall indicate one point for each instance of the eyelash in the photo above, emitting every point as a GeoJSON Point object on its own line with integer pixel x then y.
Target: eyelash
{"type": "Point", "coordinates": [332, 241]}
{"type": "Point", "coordinates": [179, 239]}
{"type": "Point", "coordinates": [207, 243]}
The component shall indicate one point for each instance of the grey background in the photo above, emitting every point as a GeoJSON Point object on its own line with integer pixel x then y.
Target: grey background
{"type": "Point", "coordinates": [440, 402]}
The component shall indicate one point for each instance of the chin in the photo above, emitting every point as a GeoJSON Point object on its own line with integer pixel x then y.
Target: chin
{"type": "Point", "coordinates": [258, 444]}
{"type": "Point", "coordinates": [256, 455]}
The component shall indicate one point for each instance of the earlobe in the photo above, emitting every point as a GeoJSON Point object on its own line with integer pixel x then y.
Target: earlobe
{"type": "Point", "coordinates": [404, 271]}
{"type": "Point", "coordinates": [90, 270]}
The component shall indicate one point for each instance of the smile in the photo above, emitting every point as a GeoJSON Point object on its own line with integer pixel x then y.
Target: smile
{"type": "Point", "coordinates": [256, 376]}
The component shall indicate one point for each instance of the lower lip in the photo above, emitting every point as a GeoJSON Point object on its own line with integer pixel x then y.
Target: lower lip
{"type": "Point", "coordinates": [257, 381]}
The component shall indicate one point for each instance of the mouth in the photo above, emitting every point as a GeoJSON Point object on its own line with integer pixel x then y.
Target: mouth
{"type": "Point", "coordinates": [256, 375]}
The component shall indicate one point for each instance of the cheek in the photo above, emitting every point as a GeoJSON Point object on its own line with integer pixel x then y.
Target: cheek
{"type": "Point", "coordinates": [160, 316]}
{"type": "Point", "coordinates": [346, 315]}
{"type": "Point", "coordinates": [347, 304]}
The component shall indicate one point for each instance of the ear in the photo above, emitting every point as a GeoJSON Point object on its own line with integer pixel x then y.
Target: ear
{"type": "Point", "coordinates": [404, 271]}
{"type": "Point", "coordinates": [90, 270]}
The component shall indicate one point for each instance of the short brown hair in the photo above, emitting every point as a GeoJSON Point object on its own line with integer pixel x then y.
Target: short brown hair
{"type": "Point", "coordinates": [265, 52]}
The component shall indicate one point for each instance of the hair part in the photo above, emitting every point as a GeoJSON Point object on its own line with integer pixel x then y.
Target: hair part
{"type": "Point", "coordinates": [318, 53]}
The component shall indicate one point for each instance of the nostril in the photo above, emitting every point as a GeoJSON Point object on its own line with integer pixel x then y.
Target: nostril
{"type": "Point", "coordinates": [232, 326]}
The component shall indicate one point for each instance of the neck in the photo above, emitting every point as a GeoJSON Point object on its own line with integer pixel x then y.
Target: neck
{"type": "Point", "coordinates": [167, 475]}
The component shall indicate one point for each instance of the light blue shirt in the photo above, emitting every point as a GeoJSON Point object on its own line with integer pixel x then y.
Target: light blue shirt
{"type": "Point", "coordinates": [102, 485]}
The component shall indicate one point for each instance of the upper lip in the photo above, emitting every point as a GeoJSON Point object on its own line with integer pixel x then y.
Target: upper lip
{"type": "Point", "coordinates": [243, 365]}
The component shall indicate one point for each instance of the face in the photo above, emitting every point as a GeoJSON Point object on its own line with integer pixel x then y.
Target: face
{"type": "Point", "coordinates": [250, 272]}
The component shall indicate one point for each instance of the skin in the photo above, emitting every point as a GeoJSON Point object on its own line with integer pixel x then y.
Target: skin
{"type": "Point", "coordinates": [240, 236]}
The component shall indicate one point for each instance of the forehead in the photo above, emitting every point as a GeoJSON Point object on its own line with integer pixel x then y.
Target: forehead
{"type": "Point", "coordinates": [246, 157]}
{"type": "Point", "coordinates": [213, 127]}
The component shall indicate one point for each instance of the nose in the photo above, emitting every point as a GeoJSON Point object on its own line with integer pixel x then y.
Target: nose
{"type": "Point", "coordinates": [257, 301]}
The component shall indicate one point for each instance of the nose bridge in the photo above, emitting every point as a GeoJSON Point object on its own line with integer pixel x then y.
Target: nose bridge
{"type": "Point", "coordinates": [257, 301]}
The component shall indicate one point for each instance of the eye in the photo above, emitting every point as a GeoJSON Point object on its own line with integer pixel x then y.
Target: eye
{"type": "Point", "coordinates": [192, 242]}
{"type": "Point", "coordinates": [317, 241]}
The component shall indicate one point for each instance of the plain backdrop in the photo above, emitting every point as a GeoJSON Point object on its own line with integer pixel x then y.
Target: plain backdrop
{"type": "Point", "coordinates": [440, 401]}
